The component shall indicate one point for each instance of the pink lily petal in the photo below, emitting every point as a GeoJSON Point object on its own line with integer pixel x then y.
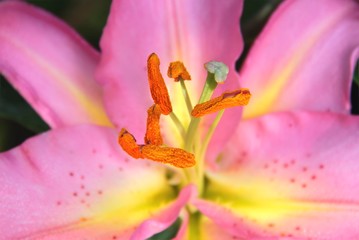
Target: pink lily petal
{"type": "Point", "coordinates": [149, 227]}
{"type": "Point", "coordinates": [290, 174]}
{"type": "Point", "coordinates": [194, 32]}
{"type": "Point", "coordinates": [74, 182]}
{"type": "Point", "coordinates": [210, 231]}
{"type": "Point", "coordinates": [50, 65]}
{"type": "Point", "coordinates": [304, 58]}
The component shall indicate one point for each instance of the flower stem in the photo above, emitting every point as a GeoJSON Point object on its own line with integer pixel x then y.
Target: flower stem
{"type": "Point", "coordinates": [194, 226]}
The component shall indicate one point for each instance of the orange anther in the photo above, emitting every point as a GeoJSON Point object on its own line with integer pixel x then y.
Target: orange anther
{"type": "Point", "coordinates": [238, 97]}
{"type": "Point", "coordinates": [128, 144]}
{"type": "Point", "coordinates": [153, 133]}
{"type": "Point", "coordinates": [158, 87]}
{"type": "Point", "coordinates": [175, 156]}
{"type": "Point", "coordinates": [178, 71]}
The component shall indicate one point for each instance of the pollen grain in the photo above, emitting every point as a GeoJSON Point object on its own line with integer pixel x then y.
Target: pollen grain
{"type": "Point", "coordinates": [175, 156]}
{"type": "Point", "coordinates": [128, 143]}
{"type": "Point", "coordinates": [157, 84]}
{"type": "Point", "coordinates": [235, 98]}
{"type": "Point", "coordinates": [153, 132]}
{"type": "Point", "coordinates": [178, 71]}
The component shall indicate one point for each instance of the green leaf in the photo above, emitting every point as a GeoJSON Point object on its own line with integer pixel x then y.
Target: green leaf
{"type": "Point", "coordinates": [169, 233]}
{"type": "Point", "coordinates": [13, 107]}
{"type": "Point", "coordinates": [356, 74]}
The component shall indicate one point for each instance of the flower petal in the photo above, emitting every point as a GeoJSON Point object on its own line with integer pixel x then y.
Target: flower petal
{"type": "Point", "coordinates": [75, 182]}
{"type": "Point", "coordinates": [307, 48]}
{"type": "Point", "coordinates": [149, 227]}
{"type": "Point", "coordinates": [290, 174]}
{"type": "Point", "coordinates": [194, 32]}
{"type": "Point", "coordinates": [50, 65]}
{"type": "Point", "coordinates": [211, 231]}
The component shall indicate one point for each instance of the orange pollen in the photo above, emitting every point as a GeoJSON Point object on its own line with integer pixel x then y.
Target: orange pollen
{"type": "Point", "coordinates": [235, 98]}
{"type": "Point", "coordinates": [178, 71]}
{"type": "Point", "coordinates": [128, 143]}
{"type": "Point", "coordinates": [175, 156]}
{"type": "Point", "coordinates": [153, 133]}
{"type": "Point", "coordinates": [157, 84]}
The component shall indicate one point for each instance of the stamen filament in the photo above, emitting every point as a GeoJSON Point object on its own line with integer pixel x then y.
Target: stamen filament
{"type": "Point", "coordinates": [201, 155]}
{"type": "Point", "coordinates": [186, 96]}
{"type": "Point", "coordinates": [181, 129]}
{"type": "Point", "coordinates": [206, 94]}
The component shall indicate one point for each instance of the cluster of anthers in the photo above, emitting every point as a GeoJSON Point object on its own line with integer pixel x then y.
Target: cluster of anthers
{"type": "Point", "coordinates": [153, 147]}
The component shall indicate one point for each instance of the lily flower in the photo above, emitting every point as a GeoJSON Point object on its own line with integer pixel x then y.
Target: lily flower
{"type": "Point", "coordinates": [286, 171]}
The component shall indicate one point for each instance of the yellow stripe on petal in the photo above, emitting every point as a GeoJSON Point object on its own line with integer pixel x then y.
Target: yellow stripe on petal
{"type": "Point", "coordinates": [127, 206]}
{"type": "Point", "coordinates": [262, 102]}
{"type": "Point", "coordinates": [260, 203]}
{"type": "Point", "coordinates": [92, 107]}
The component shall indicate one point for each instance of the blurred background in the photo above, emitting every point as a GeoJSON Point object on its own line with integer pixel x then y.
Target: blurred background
{"type": "Point", "coordinates": [18, 121]}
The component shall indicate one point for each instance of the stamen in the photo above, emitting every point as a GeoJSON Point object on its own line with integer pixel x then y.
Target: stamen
{"type": "Point", "coordinates": [128, 143]}
{"type": "Point", "coordinates": [175, 156]}
{"type": "Point", "coordinates": [158, 87]}
{"type": "Point", "coordinates": [153, 132]}
{"type": "Point", "coordinates": [178, 71]}
{"type": "Point", "coordinates": [226, 100]}
{"type": "Point", "coordinates": [153, 148]}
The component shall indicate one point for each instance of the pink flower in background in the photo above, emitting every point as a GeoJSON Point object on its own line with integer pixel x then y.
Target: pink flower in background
{"type": "Point", "coordinates": [286, 171]}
